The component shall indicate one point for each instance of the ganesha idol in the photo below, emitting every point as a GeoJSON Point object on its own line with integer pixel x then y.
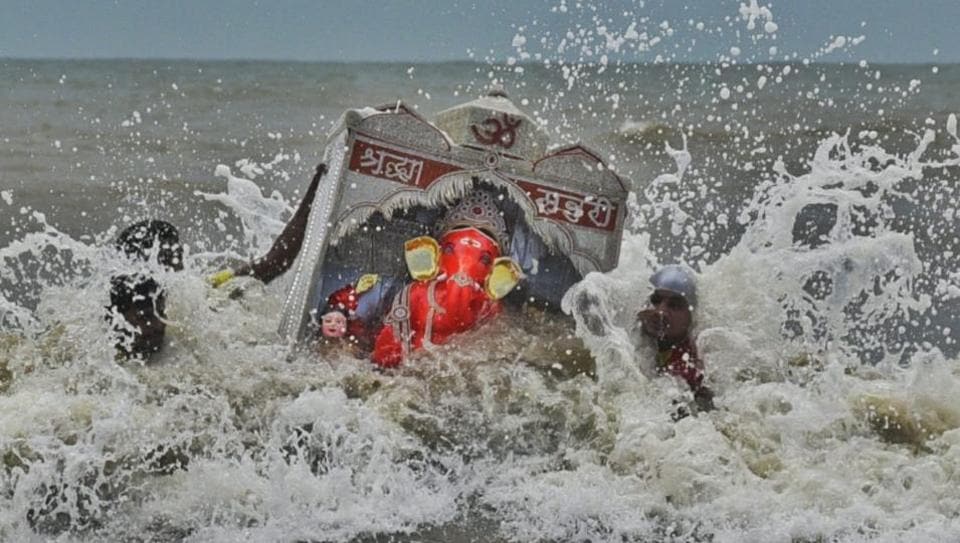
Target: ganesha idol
{"type": "Point", "coordinates": [457, 284]}
{"type": "Point", "coordinates": [424, 230]}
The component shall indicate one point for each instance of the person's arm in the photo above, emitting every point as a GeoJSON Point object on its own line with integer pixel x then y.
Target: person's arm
{"type": "Point", "coordinates": [286, 247]}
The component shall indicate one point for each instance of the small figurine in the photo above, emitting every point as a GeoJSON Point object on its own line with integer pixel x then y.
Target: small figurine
{"type": "Point", "coordinates": [340, 319]}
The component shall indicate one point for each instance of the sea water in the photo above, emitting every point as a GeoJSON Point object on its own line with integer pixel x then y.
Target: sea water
{"type": "Point", "coordinates": [817, 202]}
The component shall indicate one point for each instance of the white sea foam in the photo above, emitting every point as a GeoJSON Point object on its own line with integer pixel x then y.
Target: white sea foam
{"type": "Point", "coordinates": [228, 436]}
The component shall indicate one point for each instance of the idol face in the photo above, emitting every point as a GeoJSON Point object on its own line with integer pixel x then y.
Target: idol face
{"type": "Point", "coordinates": [467, 251]}
{"type": "Point", "coordinates": [333, 324]}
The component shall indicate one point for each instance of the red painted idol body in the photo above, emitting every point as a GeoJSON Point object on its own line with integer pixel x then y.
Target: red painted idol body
{"type": "Point", "coordinates": [455, 300]}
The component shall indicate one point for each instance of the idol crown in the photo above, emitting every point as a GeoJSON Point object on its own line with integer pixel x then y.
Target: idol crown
{"type": "Point", "coordinates": [477, 209]}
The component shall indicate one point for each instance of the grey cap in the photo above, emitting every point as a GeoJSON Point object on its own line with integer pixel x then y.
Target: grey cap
{"type": "Point", "coordinates": [676, 278]}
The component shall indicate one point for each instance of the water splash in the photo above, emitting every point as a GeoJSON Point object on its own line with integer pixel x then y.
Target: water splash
{"type": "Point", "coordinates": [824, 320]}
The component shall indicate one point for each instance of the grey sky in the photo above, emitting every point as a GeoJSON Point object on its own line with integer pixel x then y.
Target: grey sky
{"type": "Point", "coordinates": [427, 30]}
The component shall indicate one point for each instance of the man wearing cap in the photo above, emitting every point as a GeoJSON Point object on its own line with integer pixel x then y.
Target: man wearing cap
{"type": "Point", "coordinates": [667, 319]}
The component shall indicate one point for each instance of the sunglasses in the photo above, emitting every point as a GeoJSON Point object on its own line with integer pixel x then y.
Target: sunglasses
{"type": "Point", "coordinates": [674, 301]}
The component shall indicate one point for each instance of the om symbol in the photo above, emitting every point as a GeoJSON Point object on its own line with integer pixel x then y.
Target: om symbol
{"type": "Point", "coordinates": [494, 131]}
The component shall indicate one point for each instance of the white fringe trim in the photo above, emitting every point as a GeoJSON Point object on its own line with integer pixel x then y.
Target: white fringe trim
{"type": "Point", "coordinates": [446, 191]}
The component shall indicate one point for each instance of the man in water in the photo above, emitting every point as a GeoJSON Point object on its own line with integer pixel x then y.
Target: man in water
{"type": "Point", "coordinates": [137, 302]}
{"type": "Point", "coordinates": [667, 320]}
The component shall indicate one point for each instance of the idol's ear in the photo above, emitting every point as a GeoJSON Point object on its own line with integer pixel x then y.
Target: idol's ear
{"type": "Point", "coordinates": [422, 255]}
{"type": "Point", "coordinates": [503, 277]}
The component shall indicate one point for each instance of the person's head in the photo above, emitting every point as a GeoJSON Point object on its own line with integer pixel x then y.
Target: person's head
{"type": "Point", "coordinates": [669, 313]}
{"type": "Point", "coordinates": [138, 241]}
{"type": "Point", "coordinates": [137, 311]}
